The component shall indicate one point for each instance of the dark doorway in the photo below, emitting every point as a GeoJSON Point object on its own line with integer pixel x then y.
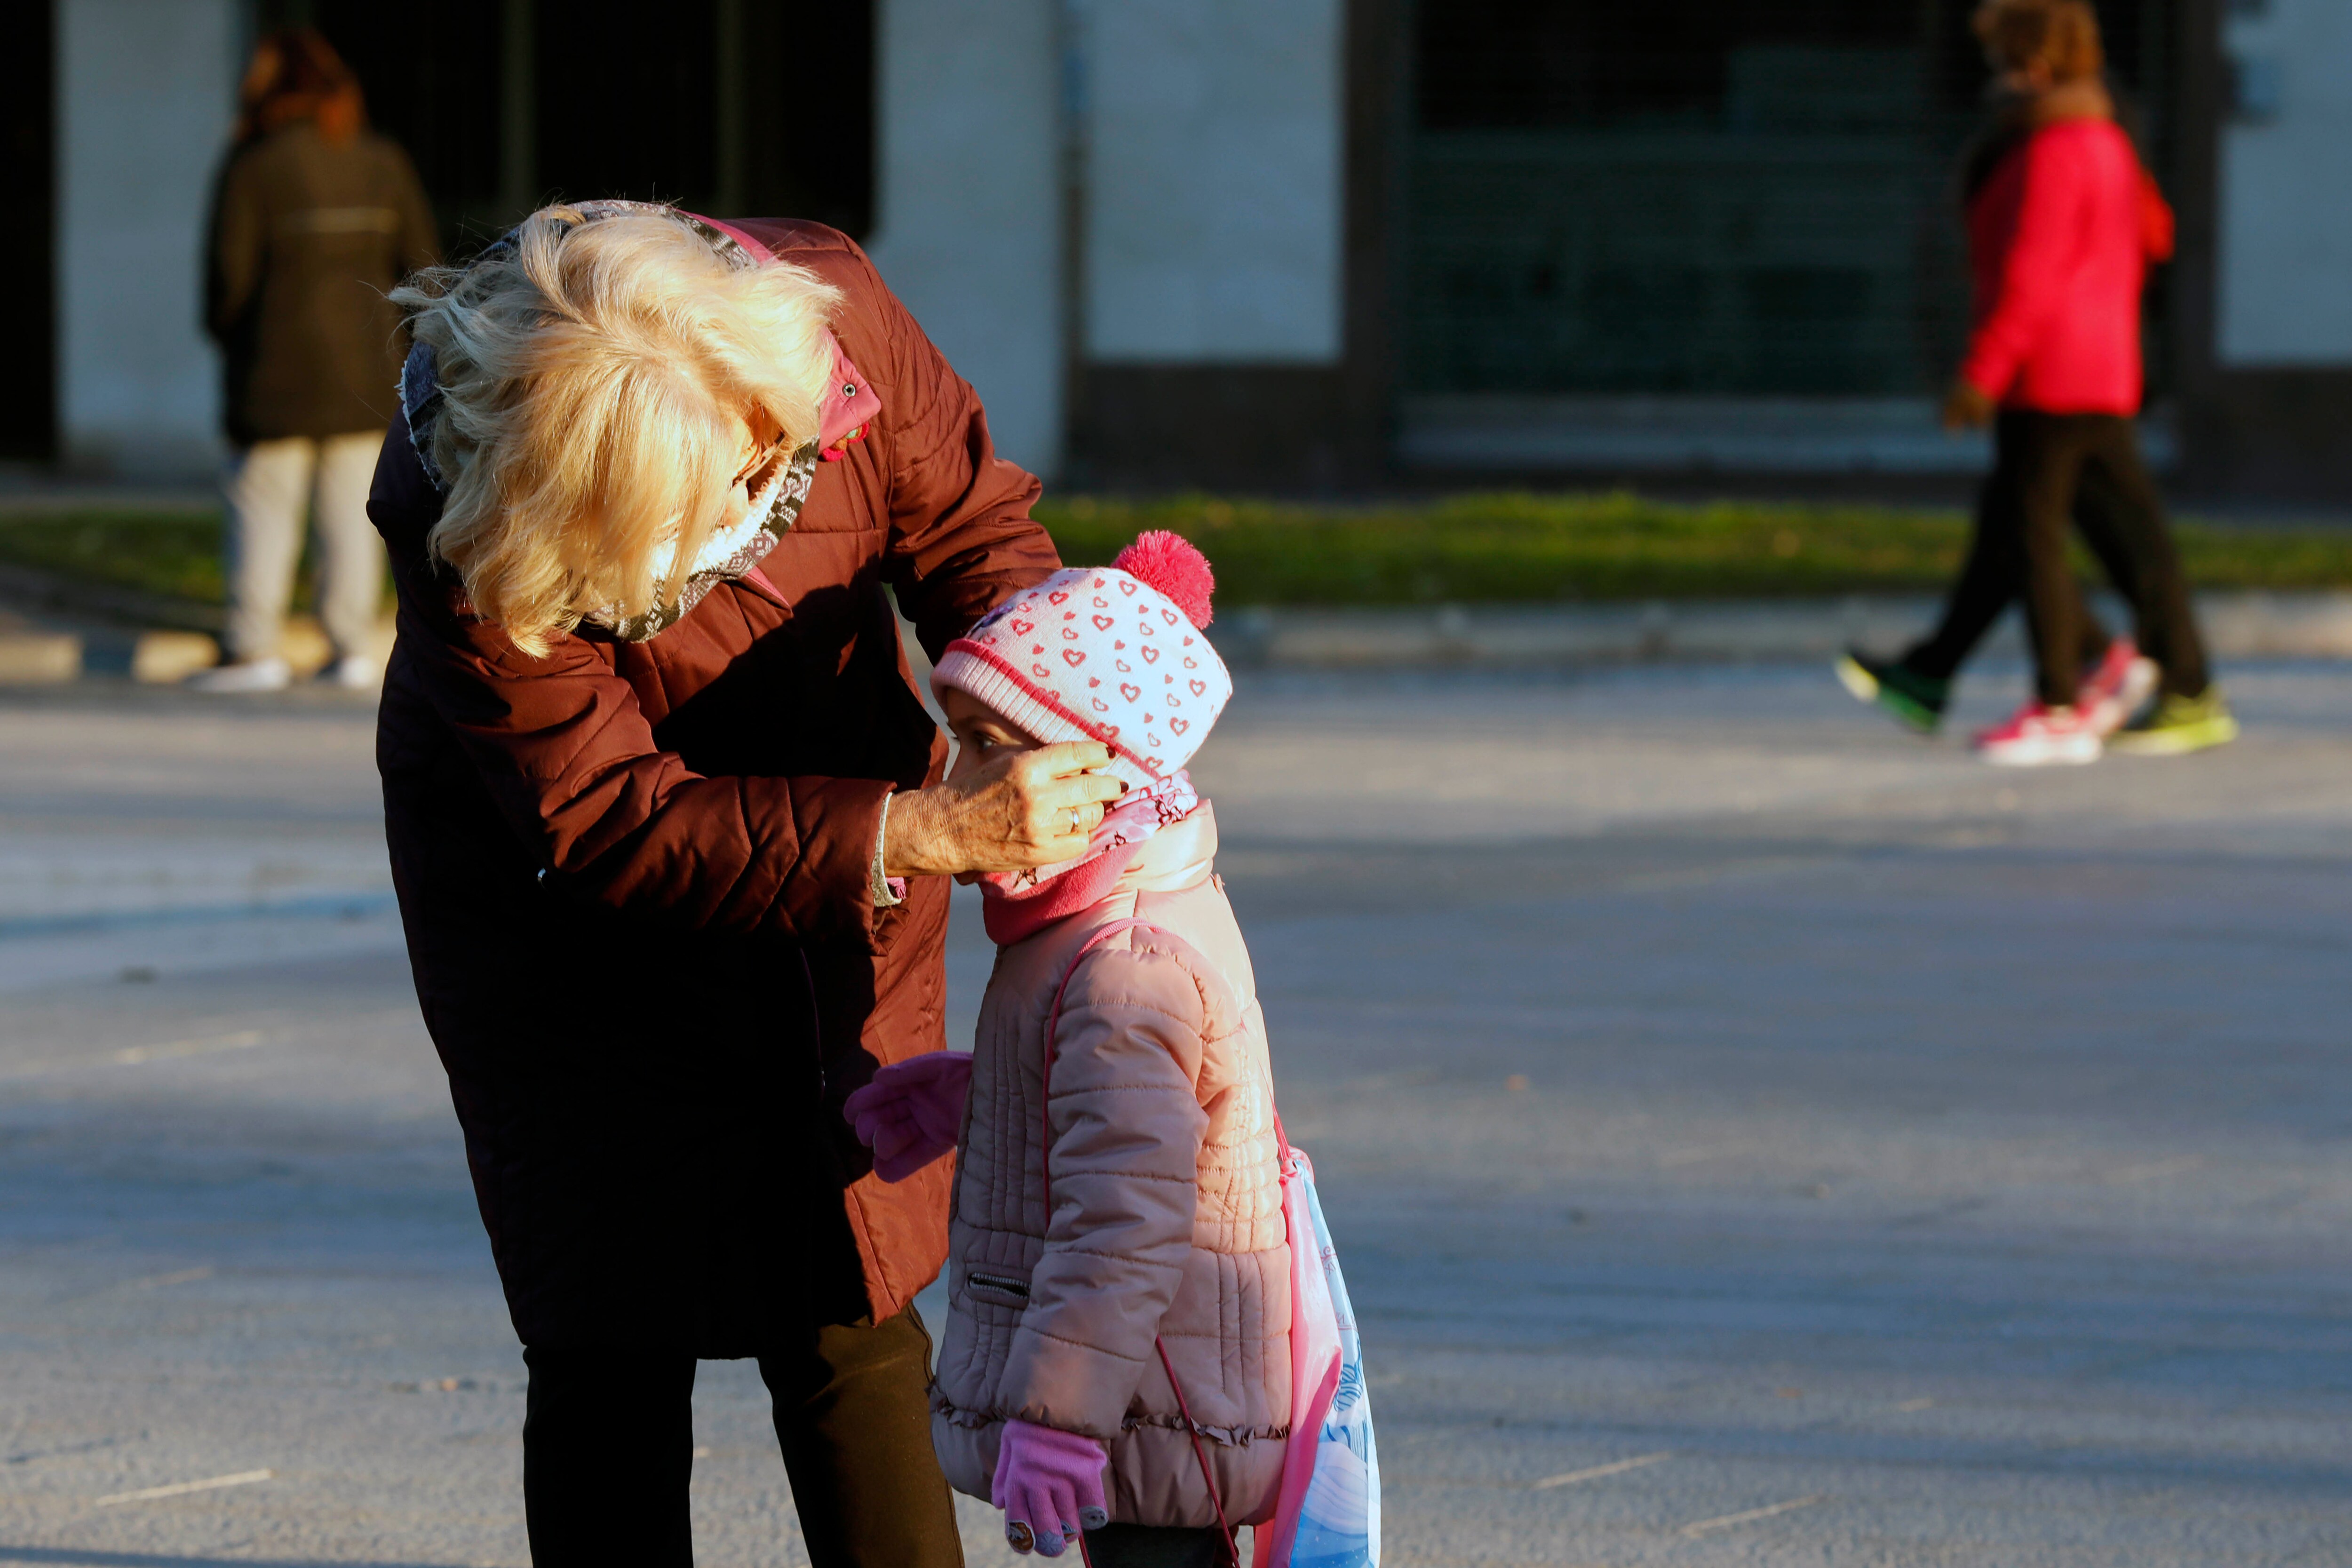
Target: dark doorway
{"type": "Point", "coordinates": [727, 106]}
{"type": "Point", "coordinates": [807, 107]}
{"type": "Point", "coordinates": [431, 72]}
{"type": "Point", "coordinates": [1726, 197]}
{"type": "Point", "coordinates": [28, 327]}
{"type": "Point", "coordinates": [626, 109]}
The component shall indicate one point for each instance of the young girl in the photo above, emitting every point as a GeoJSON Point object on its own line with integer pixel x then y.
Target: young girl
{"type": "Point", "coordinates": [1116, 1355]}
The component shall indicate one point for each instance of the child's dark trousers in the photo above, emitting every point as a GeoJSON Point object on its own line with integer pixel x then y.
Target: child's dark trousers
{"type": "Point", "coordinates": [1154, 1546]}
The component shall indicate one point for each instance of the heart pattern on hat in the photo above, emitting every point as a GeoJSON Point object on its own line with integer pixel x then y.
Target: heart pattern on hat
{"type": "Point", "coordinates": [1117, 631]}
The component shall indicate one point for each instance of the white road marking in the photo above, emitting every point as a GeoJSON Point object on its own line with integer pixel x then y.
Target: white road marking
{"type": "Point", "coordinates": [177, 1277]}
{"type": "Point", "coordinates": [135, 1056]}
{"type": "Point", "coordinates": [2154, 1169]}
{"type": "Point", "coordinates": [1673, 1159]}
{"type": "Point", "coordinates": [181, 1489]}
{"type": "Point", "coordinates": [243, 1039]}
{"type": "Point", "coordinates": [1597, 1471]}
{"type": "Point", "coordinates": [1753, 1514]}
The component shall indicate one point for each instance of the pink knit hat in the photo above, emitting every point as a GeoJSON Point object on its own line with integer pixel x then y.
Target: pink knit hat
{"type": "Point", "coordinates": [1110, 653]}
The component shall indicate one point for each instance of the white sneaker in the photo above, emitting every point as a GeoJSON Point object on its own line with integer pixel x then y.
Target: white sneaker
{"type": "Point", "coordinates": [246, 674]}
{"type": "Point", "coordinates": [2040, 737]}
{"type": "Point", "coordinates": [352, 672]}
{"type": "Point", "coordinates": [2113, 694]}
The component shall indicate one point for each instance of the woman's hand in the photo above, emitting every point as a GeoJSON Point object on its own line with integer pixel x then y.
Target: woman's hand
{"type": "Point", "coordinates": [1030, 809]}
{"type": "Point", "coordinates": [1966, 407]}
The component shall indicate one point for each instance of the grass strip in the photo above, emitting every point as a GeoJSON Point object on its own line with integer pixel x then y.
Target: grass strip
{"type": "Point", "coordinates": [1522, 547]}
{"type": "Point", "coordinates": [174, 554]}
{"type": "Point", "coordinates": [1466, 549]}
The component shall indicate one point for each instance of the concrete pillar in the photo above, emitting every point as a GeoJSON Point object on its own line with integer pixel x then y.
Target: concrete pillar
{"type": "Point", "coordinates": [2286, 242]}
{"type": "Point", "coordinates": [146, 91]}
{"type": "Point", "coordinates": [968, 224]}
{"type": "Point", "coordinates": [1214, 170]}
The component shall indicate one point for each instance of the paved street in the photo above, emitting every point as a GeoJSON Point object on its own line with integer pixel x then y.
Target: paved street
{"type": "Point", "coordinates": [1755, 1137]}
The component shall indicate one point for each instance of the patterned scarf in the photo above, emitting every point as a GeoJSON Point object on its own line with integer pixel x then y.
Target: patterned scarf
{"type": "Point", "coordinates": [727, 554]}
{"type": "Point", "coordinates": [1015, 904]}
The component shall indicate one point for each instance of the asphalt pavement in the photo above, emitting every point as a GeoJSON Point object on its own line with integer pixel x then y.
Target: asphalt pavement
{"type": "Point", "coordinates": [1753, 1135]}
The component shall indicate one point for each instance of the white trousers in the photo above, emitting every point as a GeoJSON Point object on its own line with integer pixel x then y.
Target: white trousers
{"type": "Point", "coordinates": [270, 485]}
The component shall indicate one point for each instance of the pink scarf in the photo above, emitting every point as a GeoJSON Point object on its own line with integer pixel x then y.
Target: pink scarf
{"type": "Point", "coordinates": [1017, 904]}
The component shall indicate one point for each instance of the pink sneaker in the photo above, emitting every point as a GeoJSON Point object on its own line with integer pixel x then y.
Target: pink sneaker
{"type": "Point", "coordinates": [2038, 737]}
{"type": "Point", "coordinates": [2117, 689]}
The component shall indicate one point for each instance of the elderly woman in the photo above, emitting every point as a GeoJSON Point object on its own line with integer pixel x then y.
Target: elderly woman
{"type": "Point", "coordinates": [671, 846]}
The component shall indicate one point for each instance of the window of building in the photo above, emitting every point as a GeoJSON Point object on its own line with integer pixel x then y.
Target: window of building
{"type": "Point", "coordinates": [1729, 197]}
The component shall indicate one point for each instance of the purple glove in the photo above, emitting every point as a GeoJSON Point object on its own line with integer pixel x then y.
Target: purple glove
{"type": "Point", "coordinates": [1049, 1484]}
{"type": "Point", "coordinates": [911, 1114]}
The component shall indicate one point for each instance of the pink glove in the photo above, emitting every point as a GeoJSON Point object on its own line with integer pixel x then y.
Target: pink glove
{"type": "Point", "coordinates": [911, 1114]}
{"type": "Point", "coordinates": [1049, 1484]}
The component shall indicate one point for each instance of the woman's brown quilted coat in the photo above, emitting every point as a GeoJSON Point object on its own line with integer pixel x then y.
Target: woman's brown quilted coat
{"type": "Point", "coordinates": [635, 878]}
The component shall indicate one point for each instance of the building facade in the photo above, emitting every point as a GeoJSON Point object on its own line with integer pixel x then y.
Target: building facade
{"type": "Point", "coordinates": [1316, 244]}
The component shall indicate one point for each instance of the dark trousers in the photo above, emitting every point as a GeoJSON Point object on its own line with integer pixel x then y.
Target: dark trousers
{"type": "Point", "coordinates": [2050, 469]}
{"type": "Point", "coordinates": [608, 1447]}
{"type": "Point", "coordinates": [1155, 1546]}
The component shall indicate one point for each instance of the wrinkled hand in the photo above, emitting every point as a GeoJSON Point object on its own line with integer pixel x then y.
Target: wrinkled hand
{"type": "Point", "coordinates": [1966, 407]}
{"type": "Point", "coordinates": [1049, 1484]}
{"type": "Point", "coordinates": [912, 1111]}
{"type": "Point", "coordinates": [1027, 808]}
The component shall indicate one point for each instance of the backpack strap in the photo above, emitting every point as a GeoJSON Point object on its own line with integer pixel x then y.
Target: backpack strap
{"type": "Point", "coordinates": [1231, 1552]}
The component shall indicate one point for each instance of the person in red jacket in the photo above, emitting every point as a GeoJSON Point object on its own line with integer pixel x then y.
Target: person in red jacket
{"type": "Point", "coordinates": [2063, 222]}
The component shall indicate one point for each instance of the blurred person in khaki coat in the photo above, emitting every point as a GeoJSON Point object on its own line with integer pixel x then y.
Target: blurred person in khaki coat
{"type": "Point", "coordinates": [314, 219]}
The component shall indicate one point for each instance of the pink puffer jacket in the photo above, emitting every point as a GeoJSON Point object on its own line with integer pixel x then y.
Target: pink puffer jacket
{"type": "Point", "coordinates": [1166, 1217]}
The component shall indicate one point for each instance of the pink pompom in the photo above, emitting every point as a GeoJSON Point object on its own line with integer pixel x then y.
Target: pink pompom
{"type": "Point", "coordinates": [1168, 564]}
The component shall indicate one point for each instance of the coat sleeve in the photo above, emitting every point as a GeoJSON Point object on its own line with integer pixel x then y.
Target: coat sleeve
{"type": "Point", "coordinates": [570, 759]}
{"type": "Point", "coordinates": [961, 539]}
{"type": "Point", "coordinates": [2049, 213]}
{"type": "Point", "coordinates": [2158, 229]}
{"type": "Point", "coordinates": [1125, 1125]}
{"type": "Point", "coordinates": [233, 239]}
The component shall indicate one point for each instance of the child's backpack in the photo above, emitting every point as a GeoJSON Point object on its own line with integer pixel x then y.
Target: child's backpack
{"type": "Point", "coordinates": [1327, 1514]}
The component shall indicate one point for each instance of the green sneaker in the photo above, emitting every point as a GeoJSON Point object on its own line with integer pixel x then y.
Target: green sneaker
{"type": "Point", "coordinates": [2176, 726]}
{"type": "Point", "coordinates": [1917, 700]}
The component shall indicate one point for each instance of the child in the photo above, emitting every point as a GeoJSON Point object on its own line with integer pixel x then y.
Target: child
{"type": "Point", "coordinates": [1119, 1279]}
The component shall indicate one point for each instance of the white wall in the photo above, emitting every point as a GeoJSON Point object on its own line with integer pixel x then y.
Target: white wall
{"type": "Point", "coordinates": [145, 89]}
{"type": "Point", "coordinates": [2285, 294]}
{"type": "Point", "coordinates": [968, 225]}
{"type": "Point", "coordinates": [1213, 148]}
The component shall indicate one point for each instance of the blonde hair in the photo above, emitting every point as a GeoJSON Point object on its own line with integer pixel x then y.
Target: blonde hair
{"type": "Point", "coordinates": [2063, 35]}
{"type": "Point", "coordinates": [590, 373]}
